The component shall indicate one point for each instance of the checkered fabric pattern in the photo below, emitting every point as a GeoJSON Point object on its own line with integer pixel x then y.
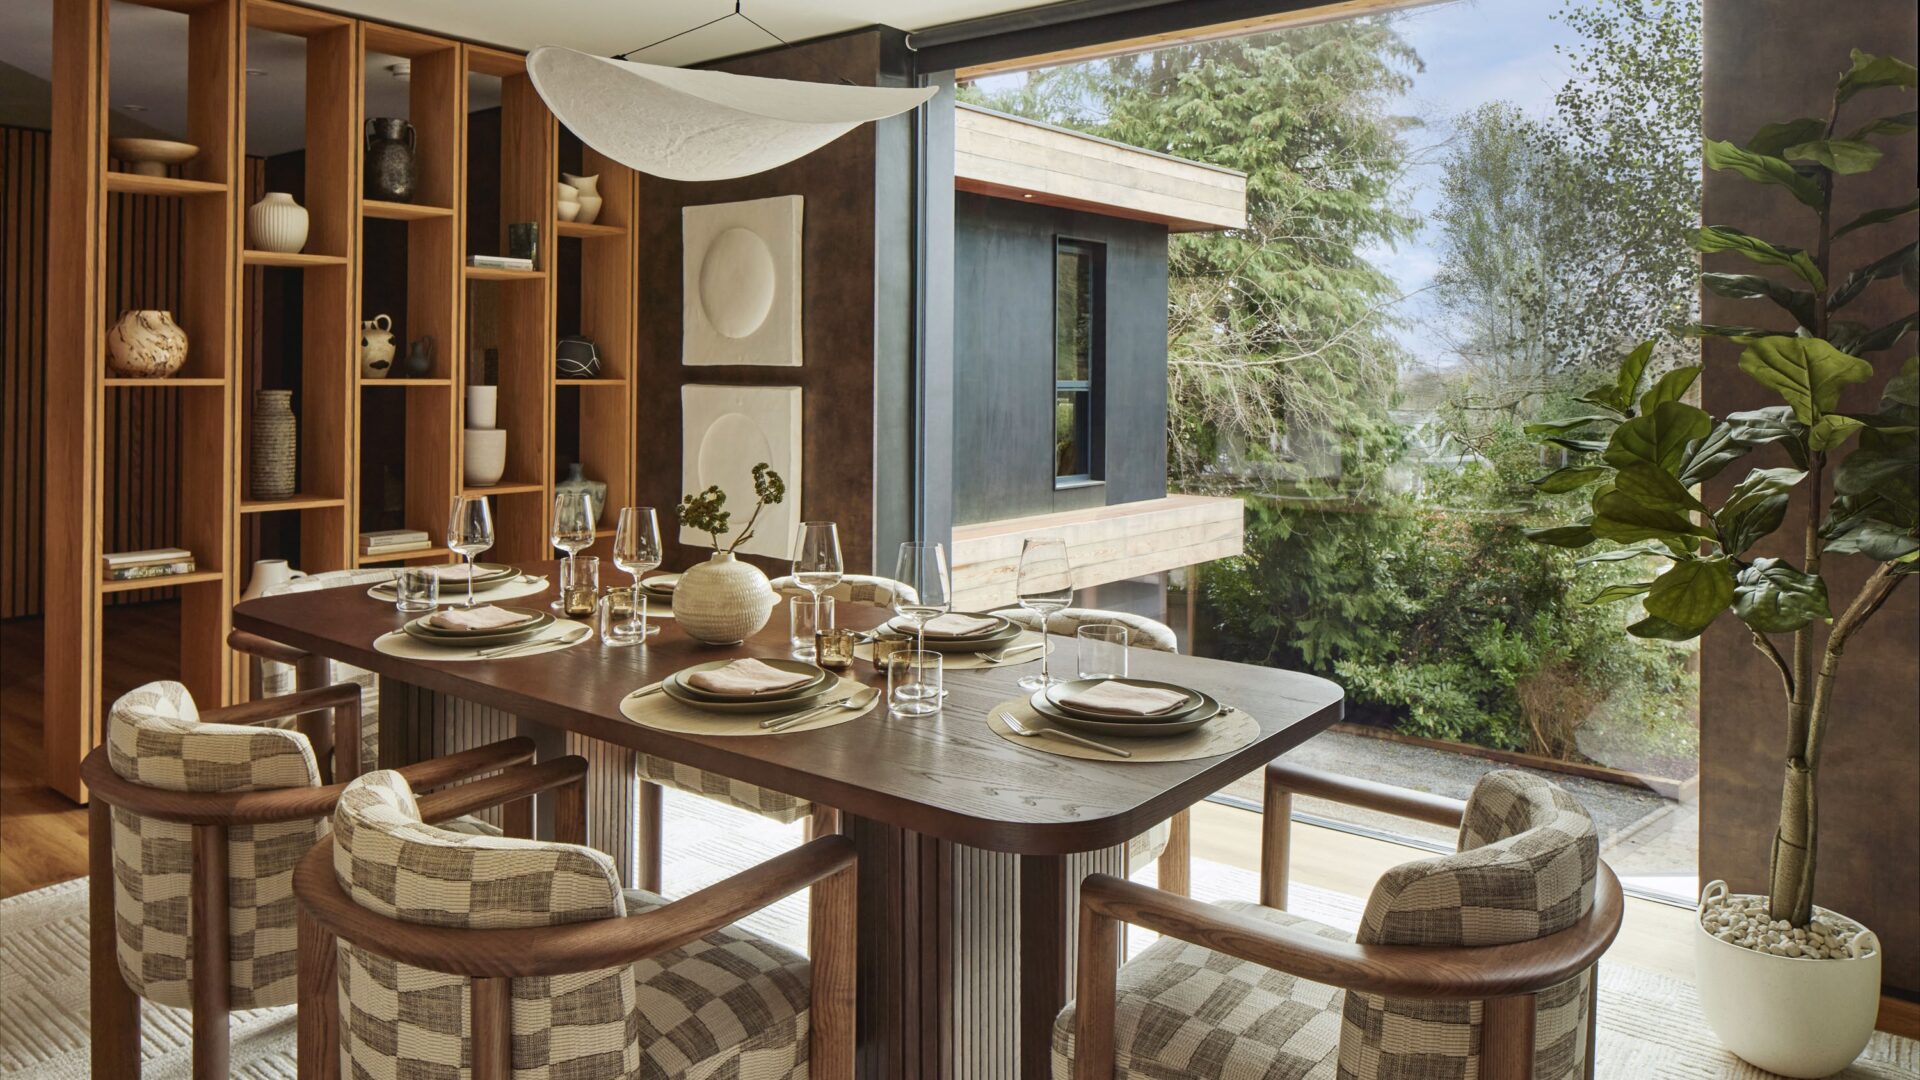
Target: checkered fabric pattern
{"type": "Point", "coordinates": [1526, 866]}
{"type": "Point", "coordinates": [155, 738]}
{"type": "Point", "coordinates": [766, 802]}
{"type": "Point", "coordinates": [277, 678]}
{"type": "Point", "coordinates": [1184, 1012]}
{"type": "Point", "coordinates": [1148, 846]}
{"type": "Point", "coordinates": [1141, 631]}
{"type": "Point", "coordinates": [851, 589]}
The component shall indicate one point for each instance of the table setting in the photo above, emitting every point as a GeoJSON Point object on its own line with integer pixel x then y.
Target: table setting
{"type": "Point", "coordinates": [750, 696]}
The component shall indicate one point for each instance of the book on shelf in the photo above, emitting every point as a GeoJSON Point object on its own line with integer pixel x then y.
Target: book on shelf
{"type": "Point", "coordinates": [395, 546]}
{"type": "Point", "coordinates": [499, 262]}
{"type": "Point", "coordinates": [114, 560]}
{"type": "Point", "coordinates": [381, 537]}
{"type": "Point", "coordinates": [143, 571]}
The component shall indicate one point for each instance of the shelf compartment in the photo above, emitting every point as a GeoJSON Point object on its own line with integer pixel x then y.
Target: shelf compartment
{"type": "Point", "coordinates": [495, 273]}
{"type": "Point", "coordinates": [293, 259]}
{"type": "Point", "coordinates": [402, 556]}
{"type": "Point", "coordinates": [126, 183]}
{"type": "Point", "coordinates": [590, 383]}
{"type": "Point", "coordinates": [580, 231]}
{"type": "Point", "coordinates": [502, 488]}
{"type": "Point", "coordinates": [189, 382]}
{"type": "Point", "coordinates": [366, 382]}
{"type": "Point", "coordinates": [399, 211]}
{"type": "Point", "coordinates": [164, 582]}
{"type": "Point", "coordinates": [293, 502]}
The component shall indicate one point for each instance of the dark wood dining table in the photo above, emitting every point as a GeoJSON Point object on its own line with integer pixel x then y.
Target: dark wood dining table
{"type": "Point", "coordinates": [971, 847]}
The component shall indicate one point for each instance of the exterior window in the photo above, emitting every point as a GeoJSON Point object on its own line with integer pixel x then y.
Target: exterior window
{"type": "Point", "coordinates": [1079, 271]}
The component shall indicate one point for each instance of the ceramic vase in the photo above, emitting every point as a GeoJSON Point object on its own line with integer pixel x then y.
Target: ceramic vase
{"type": "Point", "coordinates": [389, 166]}
{"type": "Point", "coordinates": [146, 345]}
{"type": "Point", "coordinates": [376, 347]}
{"type": "Point", "coordinates": [483, 404]}
{"type": "Point", "coordinates": [418, 363]}
{"type": "Point", "coordinates": [267, 574]}
{"type": "Point", "coordinates": [485, 460]}
{"type": "Point", "coordinates": [596, 490]}
{"type": "Point", "coordinates": [274, 453]}
{"type": "Point", "coordinates": [723, 601]}
{"type": "Point", "coordinates": [588, 188]}
{"type": "Point", "coordinates": [277, 223]}
{"type": "Point", "coordinates": [576, 357]}
{"type": "Point", "coordinates": [567, 209]}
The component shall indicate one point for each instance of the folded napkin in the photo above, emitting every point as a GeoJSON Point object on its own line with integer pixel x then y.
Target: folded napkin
{"type": "Point", "coordinates": [1114, 696]}
{"type": "Point", "coordinates": [484, 617]}
{"type": "Point", "coordinates": [955, 625]}
{"type": "Point", "coordinates": [661, 582]}
{"type": "Point", "coordinates": [746, 677]}
{"type": "Point", "coordinates": [457, 571]}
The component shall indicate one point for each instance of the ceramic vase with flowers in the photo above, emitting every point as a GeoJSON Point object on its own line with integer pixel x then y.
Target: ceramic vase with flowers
{"type": "Point", "coordinates": [723, 600]}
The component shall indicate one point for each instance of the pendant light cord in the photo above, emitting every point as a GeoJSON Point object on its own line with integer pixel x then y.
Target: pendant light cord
{"type": "Point", "coordinates": [736, 13]}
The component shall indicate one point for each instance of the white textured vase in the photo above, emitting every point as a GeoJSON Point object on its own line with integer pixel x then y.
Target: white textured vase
{"type": "Point", "coordinates": [277, 223]}
{"type": "Point", "coordinates": [723, 600]}
{"type": "Point", "coordinates": [486, 456]}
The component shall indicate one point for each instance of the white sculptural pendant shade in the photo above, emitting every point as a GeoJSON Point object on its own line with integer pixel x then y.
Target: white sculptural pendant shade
{"type": "Point", "coordinates": [684, 124]}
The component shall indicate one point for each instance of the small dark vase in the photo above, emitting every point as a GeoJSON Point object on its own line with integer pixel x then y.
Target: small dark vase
{"type": "Point", "coordinates": [419, 361]}
{"type": "Point", "coordinates": [389, 159]}
{"type": "Point", "coordinates": [577, 358]}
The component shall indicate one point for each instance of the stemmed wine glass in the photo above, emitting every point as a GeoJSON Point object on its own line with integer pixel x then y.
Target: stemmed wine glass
{"type": "Point", "coordinates": [1046, 586]}
{"type": "Point", "coordinates": [470, 532]}
{"type": "Point", "coordinates": [816, 565]}
{"type": "Point", "coordinates": [572, 526]}
{"type": "Point", "coordinates": [636, 549]}
{"type": "Point", "coordinates": [922, 567]}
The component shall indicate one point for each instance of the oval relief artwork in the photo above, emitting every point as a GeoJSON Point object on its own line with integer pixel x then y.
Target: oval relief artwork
{"type": "Point", "coordinates": [740, 283]}
{"type": "Point", "coordinates": [737, 280]}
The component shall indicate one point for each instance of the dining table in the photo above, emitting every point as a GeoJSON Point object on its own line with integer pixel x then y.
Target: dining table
{"type": "Point", "coordinates": [971, 846]}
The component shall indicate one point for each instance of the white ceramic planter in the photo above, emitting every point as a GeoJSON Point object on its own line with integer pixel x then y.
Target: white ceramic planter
{"type": "Point", "coordinates": [486, 456]}
{"type": "Point", "coordinates": [723, 600]}
{"type": "Point", "coordinates": [1788, 1015]}
{"type": "Point", "coordinates": [277, 223]}
{"type": "Point", "coordinates": [483, 406]}
{"type": "Point", "coordinates": [268, 573]}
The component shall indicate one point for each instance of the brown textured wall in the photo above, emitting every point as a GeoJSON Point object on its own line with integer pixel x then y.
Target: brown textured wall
{"type": "Point", "coordinates": [838, 298]}
{"type": "Point", "coordinates": [1770, 60]}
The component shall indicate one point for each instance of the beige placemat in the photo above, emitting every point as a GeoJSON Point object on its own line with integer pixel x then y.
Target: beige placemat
{"type": "Point", "coordinates": [457, 593]}
{"type": "Point", "coordinates": [972, 661]}
{"type": "Point", "coordinates": [552, 639]}
{"type": "Point", "coordinates": [1222, 735]}
{"type": "Point", "coordinates": [662, 713]}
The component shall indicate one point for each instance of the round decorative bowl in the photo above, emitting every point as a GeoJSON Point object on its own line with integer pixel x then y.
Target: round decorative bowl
{"type": "Point", "coordinates": [723, 601]}
{"type": "Point", "coordinates": [150, 157]}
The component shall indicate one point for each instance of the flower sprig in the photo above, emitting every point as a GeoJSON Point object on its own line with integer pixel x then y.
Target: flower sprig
{"type": "Point", "coordinates": [707, 510]}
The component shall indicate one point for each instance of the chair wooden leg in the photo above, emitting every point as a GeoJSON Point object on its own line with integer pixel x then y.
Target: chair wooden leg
{"type": "Point", "coordinates": [1506, 1038]}
{"type": "Point", "coordinates": [211, 970]}
{"type": "Point", "coordinates": [570, 813]}
{"type": "Point", "coordinates": [492, 1017]}
{"type": "Point", "coordinates": [1276, 838]}
{"type": "Point", "coordinates": [309, 674]}
{"type": "Point", "coordinates": [1176, 862]}
{"type": "Point", "coordinates": [1593, 1020]}
{"type": "Point", "coordinates": [832, 929]}
{"type": "Point", "coordinates": [649, 837]}
{"type": "Point", "coordinates": [1093, 997]}
{"type": "Point", "coordinates": [318, 1051]}
{"type": "Point", "coordinates": [116, 1009]}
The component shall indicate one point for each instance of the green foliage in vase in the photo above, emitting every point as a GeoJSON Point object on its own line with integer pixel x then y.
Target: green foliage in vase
{"type": "Point", "coordinates": [707, 510]}
{"type": "Point", "coordinates": [1644, 451]}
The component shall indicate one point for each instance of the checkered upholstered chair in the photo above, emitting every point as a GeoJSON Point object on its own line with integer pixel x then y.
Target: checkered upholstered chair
{"type": "Point", "coordinates": [439, 954]}
{"type": "Point", "coordinates": [196, 822]}
{"type": "Point", "coordinates": [1475, 966]}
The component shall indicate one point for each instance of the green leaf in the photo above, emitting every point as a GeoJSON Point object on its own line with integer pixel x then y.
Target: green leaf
{"type": "Point", "coordinates": [1757, 427]}
{"type": "Point", "coordinates": [1831, 430]}
{"type": "Point", "coordinates": [1869, 71]}
{"type": "Point", "coordinates": [1878, 540]}
{"type": "Point", "coordinates": [1659, 437]}
{"type": "Point", "coordinates": [1886, 337]}
{"type": "Point", "coordinates": [1807, 372]}
{"type": "Point", "coordinates": [1904, 388]}
{"type": "Point", "coordinates": [1670, 387]}
{"type": "Point", "coordinates": [1729, 330]}
{"type": "Point", "coordinates": [1566, 536]}
{"type": "Point", "coordinates": [1627, 383]}
{"type": "Point", "coordinates": [1620, 517]}
{"type": "Point", "coordinates": [1889, 476]}
{"type": "Point", "coordinates": [1897, 124]}
{"type": "Point", "coordinates": [1660, 629]}
{"type": "Point", "coordinates": [1756, 506]}
{"type": "Point", "coordinates": [1774, 598]}
{"type": "Point", "coordinates": [1650, 485]}
{"type": "Point", "coordinates": [1761, 168]}
{"type": "Point", "coordinates": [1572, 478]}
{"type": "Point", "coordinates": [1584, 446]}
{"type": "Point", "coordinates": [1692, 594]}
{"type": "Point", "coordinates": [1900, 261]}
{"type": "Point", "coordinates": [1623, 554]}
{"type": "Point", "coordinates": [1844, 156]}
{"type": "Point", "coordinates": [1797, 302]}
{"type": "Point", "coordinates": [1613, 593]}
{"type": "Point", "coordinates": [1773, 138]}
{"type": "Point", "coordinates": [1568, 423]}
{"type": "Point", "coordinates": [1739, 433]}
{"type": "Point", "coordinates": [1726, 238]}
{"type": "Point", "coordinates": [1875, 217]}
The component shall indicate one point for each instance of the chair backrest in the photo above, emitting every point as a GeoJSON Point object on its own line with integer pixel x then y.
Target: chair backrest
{"type": "Point", "coordinates": [392, 863]}
{"type": "Point", "coordinates": [1525, 869]}
{"type": "Point", "coordinates": [851, 589]}
{"type": "Point", "coordinates": [155, 738]}
{"type": "Point", "coordinates": [1142, 632]}
{"type": "Point", "coordinates": [277, 678]}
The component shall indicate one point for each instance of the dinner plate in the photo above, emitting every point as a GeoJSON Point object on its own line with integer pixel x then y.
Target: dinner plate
{"type": "Point", "coordinates": [1060, 690]}
{"type": "Point", "coordinates": [994, 640]}
{"type": "Point", "coordinates": [1141, 728]}
{"type": "Point", "coordinates": [674, 690]}
{"type": "Point", "coordinates": [461, 639]}
{"type": "Point", "coordinates": [821, 677]}
{"type": "Point", "coordinates": [654, 591]}
{"type": "Point", "coordinates": [498, 574]}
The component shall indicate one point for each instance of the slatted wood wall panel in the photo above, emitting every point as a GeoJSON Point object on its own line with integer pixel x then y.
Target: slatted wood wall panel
{"type": "Point", "coordinates": [141, 426]}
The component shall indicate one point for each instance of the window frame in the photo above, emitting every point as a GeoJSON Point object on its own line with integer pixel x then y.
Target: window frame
{"type": "Point", "coordinates": [1094, 385]}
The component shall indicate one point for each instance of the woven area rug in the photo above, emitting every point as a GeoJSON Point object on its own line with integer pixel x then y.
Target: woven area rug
{"type": "Point", "coordinates": [1650, 1024]}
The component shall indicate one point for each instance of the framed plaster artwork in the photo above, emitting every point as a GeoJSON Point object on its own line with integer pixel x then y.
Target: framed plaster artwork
{"type": "Point", "coordinates": [740, 283]}
{"type": "Point", "coordinates": [724, 432]}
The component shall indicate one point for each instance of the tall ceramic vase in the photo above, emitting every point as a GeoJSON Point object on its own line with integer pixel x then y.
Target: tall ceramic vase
{"type": "Point", "coordinates": [588, 188]}
{"type": "Point", "coordinates": [274, 454]}
{"type": "Point", "coordinates": [723, 600]}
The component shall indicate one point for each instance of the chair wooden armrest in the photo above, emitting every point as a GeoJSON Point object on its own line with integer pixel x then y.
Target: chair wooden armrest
{"type": "Point", "coordinates": [1284, 781]}
{"type": "Point", "coordinates": [1505, 977]}
{"type": "Point", "coordinates": [264, 648]}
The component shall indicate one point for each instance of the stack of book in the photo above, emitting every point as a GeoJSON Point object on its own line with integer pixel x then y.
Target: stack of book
{"type": "Point", "coordinates": [138, 565]}
{"type": "Point", "coordinates": [499, 262]}
{"type": "Point", "coordinates": [393, 541]}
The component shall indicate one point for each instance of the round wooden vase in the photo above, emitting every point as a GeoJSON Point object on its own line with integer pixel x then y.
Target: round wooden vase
{"type": "Point", "coordinates": [277, 223]}
{"type": "Point", "coordinates": [146, 345]}
{"type": "Point", "coordinates": [274, 453]}
{"type": "Point", "coordinates": [723, 600]}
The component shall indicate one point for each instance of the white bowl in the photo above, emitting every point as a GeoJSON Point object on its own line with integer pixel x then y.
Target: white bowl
{"type": "Point", "coordinates": [486, 456]}
{"type": "Point", "coordinates": [567, 209]}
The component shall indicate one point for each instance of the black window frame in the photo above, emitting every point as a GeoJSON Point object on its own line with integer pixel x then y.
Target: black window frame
{"type": "Point", "coordinates": [1094, 385]}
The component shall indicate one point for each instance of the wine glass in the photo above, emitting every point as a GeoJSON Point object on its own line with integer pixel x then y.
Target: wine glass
{"type": "Point", "coordinates": [572, 530]}
{"type": "Point", "coordinates": [922, 568]}
{"type": "Point", "coordinates": [636, 549]}
{"type": "Point", "coordinates": [817, 566]}
{"type": "Point", "coordinates": [1046, 586]}
{"type": "Point", "coordinates": [470, 531]}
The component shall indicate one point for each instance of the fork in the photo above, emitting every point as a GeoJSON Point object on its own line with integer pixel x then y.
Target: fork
{"type": "Point", "coordinates": [573, 637]}
{"type": "Point", "coordinates": [858, 700]}
{"type": "Point", "coordinates": [1013, 725]}
{"type": "Point", "coordinates": [1001, 656]}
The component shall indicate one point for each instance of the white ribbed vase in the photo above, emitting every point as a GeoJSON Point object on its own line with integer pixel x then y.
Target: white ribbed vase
{"type": "Point", "coordinates": [277, 223]}
{"type": "Point", "coordinates": [723, 600]}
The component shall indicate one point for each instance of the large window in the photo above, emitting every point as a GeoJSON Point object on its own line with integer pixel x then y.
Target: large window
{"type": "Point", "coordinates": [1079, 277]}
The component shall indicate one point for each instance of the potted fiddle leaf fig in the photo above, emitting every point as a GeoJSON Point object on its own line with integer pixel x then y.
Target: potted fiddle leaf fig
{"type": "Point", "coordinates": [1787, 985]}
{"type": "Point", "coordinates": [723, 600]}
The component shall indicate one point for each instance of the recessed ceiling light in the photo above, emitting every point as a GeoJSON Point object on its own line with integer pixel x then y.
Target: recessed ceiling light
{"type": "Point", "coordinates": [133, 108]}
{"type": "Point", "coordinates": [256, 72]}
{"type": "Point", "coordinates": [402, 70]}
